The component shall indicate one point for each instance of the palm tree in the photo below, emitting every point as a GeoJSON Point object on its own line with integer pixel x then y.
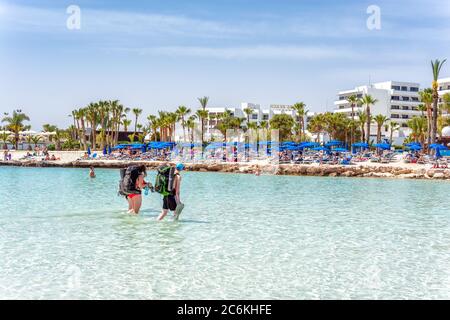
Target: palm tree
{"type": "Point", "coordinates": [299, 108]}
{"type": "Point", "coordinates": [368, 100]}
{"type": "Point", "coordinates": [183, 111]}
{"type": "Point", "coordinates": [4, 139]}
{"type": "Point", "coordinates": [354, 101]}
{"type": "Point", "coordinates": [190, 125]}
{"type": "Point", "coordinates": [362, 116]}
{"type": "Point", "coordinates": [126, 123]}
{"type": "Point", "coordinates": [137, 112]}
{"type": "Point", "coordinates": [436, 66]}
{"type": "Point", "coordinates": [264, 126]}
{"type": "Point", "coordinates": [92, 117]}
{"type": "Point", "coordinates": [153, 125]}
{"type": "Point", "coordinates": [418, 128]}
{"type": "Point", "coordinates": [380, 120]}
{"type": "Point", "coordinates": [283, 123]}
{"type": "Point", "coordinates": [394, 126]}
{"type": "Point", "coordinates": [426, 96]}
{"type": "Point", "coordinates": [80, 115]}
{"type": "Point", "coordinates": [36, 139]}
{"type": "Point", "coordinates": [58, 136]}
{"type": "Point", "coordinates": [317, 125]}
{"type": "Point", "coordinates": [248, 112]}
{"type": "Point", "coordinates": [422, 108]}
{"type": "Point", "coordinates": [203, 102]}
{"type": "Point", "coordinates": [131, 137]}
{"type": "Point", "coordinates": [49, 128]}
{"type": "Point", "coordinates": [15, 124]}
{"type": "Point", "coordinates": [172, 119]}
{"type": "Point", "coordinates": [202, 115]}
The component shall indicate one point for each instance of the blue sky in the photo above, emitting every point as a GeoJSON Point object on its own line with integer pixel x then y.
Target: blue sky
{"type": "Point", "coordinates": [160, 54]}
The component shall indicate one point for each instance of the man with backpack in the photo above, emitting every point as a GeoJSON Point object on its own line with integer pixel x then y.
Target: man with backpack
{"type": "Point", "coordinates": [168, 183]}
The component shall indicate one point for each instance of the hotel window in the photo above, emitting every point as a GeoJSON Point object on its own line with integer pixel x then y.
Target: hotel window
{"type": "Point", "coordinates": [405, 116]}
{"type": "Point", "coordinates": [395, 98]}
{"type": "Point", "coordinates": [266, 117]}
{"type": "Point", "coordinates": [405, 98]}
{"type": "Point", "coordinates": [404, 125]}
{"type": "Point", "coordinates": [395, 116]}
{"type": "Point", "coordinates": [414, 108]}
{"type": "Point", "coordinates": [395, 107]}
{"type": "Point", "coordinates": [405, 108]}
{"type": "Point", "coordinates": [395, 87]}
{"type": "Point", "coordinates": [254, 116]}
{"type": "Point", "coordinates": [415, 99]}
{"type": "Point", "coordinates": [414, 89]}
{"type": "Point", "coordinates": [359, 95]}
{"type": "Point", "coordinates": [404, 88]}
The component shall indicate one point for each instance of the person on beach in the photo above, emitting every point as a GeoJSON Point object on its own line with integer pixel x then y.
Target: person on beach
{"type": "Point", "coordinates": [172, 201]}
{"type": "Point", "coordinates": [132, 185]}
{"type": "Point", "coordinates": [91, 172]}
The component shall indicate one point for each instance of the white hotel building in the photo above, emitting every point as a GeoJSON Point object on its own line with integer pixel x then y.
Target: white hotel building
{"type": "Point", "coordinates": [258, 114]}
{"type": "Point", "coordinates": [398, 101]}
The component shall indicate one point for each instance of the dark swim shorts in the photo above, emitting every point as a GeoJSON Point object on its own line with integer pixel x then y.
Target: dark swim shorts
{"type": "Point", "coordinates": [169, 203]}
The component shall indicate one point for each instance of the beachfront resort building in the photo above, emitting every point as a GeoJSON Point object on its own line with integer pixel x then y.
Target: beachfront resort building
{"type": "Point", "coordinates": [398, 101]}
{"type": "Point", "coordinates": [257, 115]}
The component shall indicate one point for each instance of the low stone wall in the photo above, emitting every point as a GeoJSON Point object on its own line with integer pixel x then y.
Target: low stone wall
{"type": "Point", "coordinates": [381, 171]}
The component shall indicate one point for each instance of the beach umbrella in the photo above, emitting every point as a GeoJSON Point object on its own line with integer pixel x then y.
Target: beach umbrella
{"type": "Point", "coordinates": [333, 143]}
{"type": "Point", "coordinates": [89, 151]}
{"type": "Point", "coordinates": [413, 144]}
{"type": "Point", "coordinates": [383, 146]}
{"type": "Point", "coordinates": [27, 132]}
{"type": "Point", "coordinates": [321, 149]}
{"type": "Point", "coordinates": [438, 146]}
{"type": "Point", "coordinates": [307, 145]}
{"type": "Point", "coordinates": [415, 147]}
{"type": "Point", "coordinates": [104, 150]}
{"type": "Point", "coordinates": [340, 150]}
{"type": "Point", "coordinates": [361, 145]}
{"type": "Point", "coordinates": [47, 133]}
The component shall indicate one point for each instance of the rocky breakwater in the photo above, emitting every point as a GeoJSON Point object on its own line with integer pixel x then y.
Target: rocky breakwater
{"type": "Point", "coordinates": [373, 171]}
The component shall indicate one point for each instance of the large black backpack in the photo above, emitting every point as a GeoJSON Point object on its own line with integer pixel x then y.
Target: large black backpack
{"type": "Point", "coordinates": [164, 180]}
{"type": "Point", "coordinates": [128, 177]}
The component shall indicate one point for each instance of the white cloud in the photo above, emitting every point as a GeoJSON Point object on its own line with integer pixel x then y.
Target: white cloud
{"type": "Point", "coordinates": [33, 19]}
{"type": "Point", "coordinates": [246, 52]}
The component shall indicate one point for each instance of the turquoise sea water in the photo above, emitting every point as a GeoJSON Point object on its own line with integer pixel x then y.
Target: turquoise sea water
{"type": "Point", "coordinates": [63, 235]}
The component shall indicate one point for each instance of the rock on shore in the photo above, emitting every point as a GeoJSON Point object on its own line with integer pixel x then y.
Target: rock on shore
{"type": "Point", "coordinates": [380, 171]}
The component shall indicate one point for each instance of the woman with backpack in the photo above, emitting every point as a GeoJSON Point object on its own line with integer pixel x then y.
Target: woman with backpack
{"type": "Point", "coordinates": [132, 185]}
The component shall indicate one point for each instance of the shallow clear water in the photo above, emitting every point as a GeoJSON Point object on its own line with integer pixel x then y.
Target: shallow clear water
{"type": "Point", "coordinates": [63, 235]}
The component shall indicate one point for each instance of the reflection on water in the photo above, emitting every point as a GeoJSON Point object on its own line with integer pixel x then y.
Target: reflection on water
{"type": "Point", "coordinates": [66, 236]}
